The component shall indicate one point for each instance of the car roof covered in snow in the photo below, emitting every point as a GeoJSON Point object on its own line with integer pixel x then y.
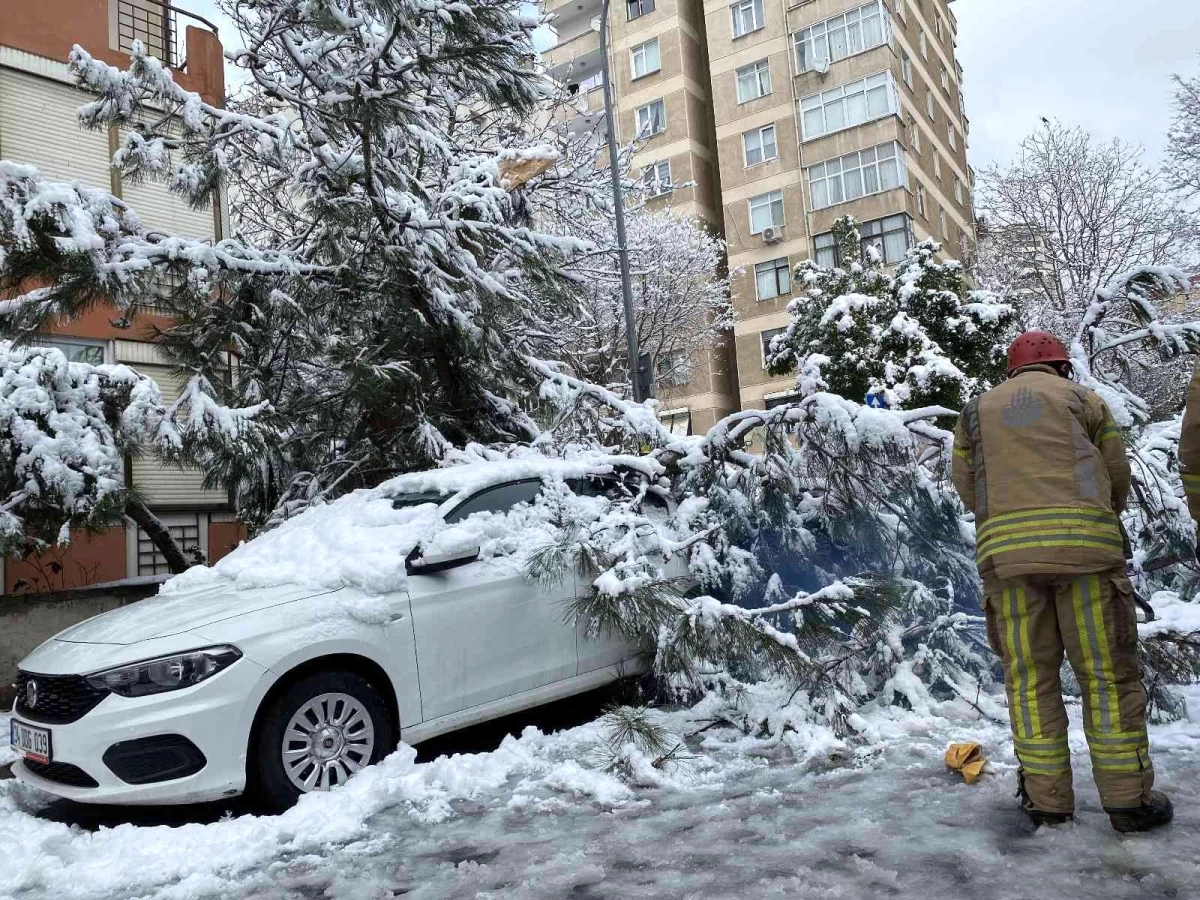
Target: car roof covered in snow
{"type": "Point", "coordinates": [361, 539]}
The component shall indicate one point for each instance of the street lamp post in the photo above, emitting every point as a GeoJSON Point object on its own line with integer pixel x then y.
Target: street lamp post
{"type": "Point", "coordinates": [640, 379]}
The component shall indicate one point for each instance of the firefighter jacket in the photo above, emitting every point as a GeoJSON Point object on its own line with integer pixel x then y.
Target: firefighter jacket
{"type": "Point", "coordinates": [1042, 465]}
{"type": "Point", "coordinates": [1189, 447]}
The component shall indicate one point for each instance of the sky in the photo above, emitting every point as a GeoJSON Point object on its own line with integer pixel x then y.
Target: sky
{"type": "Point", "coordinates": [1103, 64]}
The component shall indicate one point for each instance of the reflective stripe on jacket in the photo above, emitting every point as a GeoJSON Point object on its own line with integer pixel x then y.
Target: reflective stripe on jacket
{"type": "Point", "coordinates": [1042, 465]}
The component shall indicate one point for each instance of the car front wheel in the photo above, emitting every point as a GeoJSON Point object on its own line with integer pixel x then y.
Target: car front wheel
{"type": "Point", "coordinates": [317, 732]}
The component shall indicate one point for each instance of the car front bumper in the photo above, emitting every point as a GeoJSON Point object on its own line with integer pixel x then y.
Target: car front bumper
{"type": "Point", "coordinates": [215, 715]}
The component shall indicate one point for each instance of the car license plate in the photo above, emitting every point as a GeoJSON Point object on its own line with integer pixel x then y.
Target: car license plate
{"type": "Point", "coordinates": [30, 742]}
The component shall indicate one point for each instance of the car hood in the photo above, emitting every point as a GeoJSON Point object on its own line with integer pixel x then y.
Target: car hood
{"type": "Point", "coordinates": [162, 616]}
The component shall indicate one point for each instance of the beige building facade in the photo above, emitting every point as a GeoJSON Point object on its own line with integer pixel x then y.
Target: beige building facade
{"type": "Point", "coordinates": [786, 115]}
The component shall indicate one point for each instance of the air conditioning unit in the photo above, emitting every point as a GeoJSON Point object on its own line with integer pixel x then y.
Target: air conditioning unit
{"type": "Point", "coordinates": [821, 66]}
{"type": "Point", "coordinates": [772, 234]}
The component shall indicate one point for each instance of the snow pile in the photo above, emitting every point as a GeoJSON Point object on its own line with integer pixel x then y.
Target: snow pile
{"type": "Point", "coordinates": [1173, 616]}
{"type": "Point", "coordinates": [6, 752]}
{"type": "Point", "coordinates": [362, 538]}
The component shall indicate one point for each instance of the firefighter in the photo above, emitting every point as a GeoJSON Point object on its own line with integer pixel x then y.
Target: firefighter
{"type": "Point", "coordinates": [1189, 449]}
{"type": "Point", "coordinates": [1041, 463]}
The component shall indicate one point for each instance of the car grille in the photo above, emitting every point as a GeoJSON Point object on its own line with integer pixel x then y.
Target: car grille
{"type": "Point", "coordinates": [61, 772]}
{"type": "Point", "coordinates": [60, 698]}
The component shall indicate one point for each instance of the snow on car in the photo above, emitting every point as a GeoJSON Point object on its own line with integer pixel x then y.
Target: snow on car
{"type": "Point", "coordinates": [392, 614]}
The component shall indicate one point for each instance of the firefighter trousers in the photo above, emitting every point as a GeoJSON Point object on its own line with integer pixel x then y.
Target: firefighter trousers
{"type": "Point", "coordinates": [1032, 622]}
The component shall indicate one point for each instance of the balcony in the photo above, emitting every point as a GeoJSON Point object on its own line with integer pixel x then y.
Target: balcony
{"type": "Point", "coordinates": [572, 17]}
{"type": "Point", "coordinates": [161, 27]}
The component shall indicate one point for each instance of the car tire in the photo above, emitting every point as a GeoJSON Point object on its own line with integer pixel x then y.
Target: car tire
{"type": "Point", "coordinates": [333, 750]}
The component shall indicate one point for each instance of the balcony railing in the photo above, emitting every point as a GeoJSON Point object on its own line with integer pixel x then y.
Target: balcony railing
{"type": "Point", "coordinates": [157, 24]}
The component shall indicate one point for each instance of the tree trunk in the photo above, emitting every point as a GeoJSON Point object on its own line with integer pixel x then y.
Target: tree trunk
{"type": "Point", "coordinates": [158, 533]}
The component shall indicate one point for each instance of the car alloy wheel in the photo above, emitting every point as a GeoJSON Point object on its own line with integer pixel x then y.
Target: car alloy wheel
{"type": "Point", "coordinates": [328, 739]}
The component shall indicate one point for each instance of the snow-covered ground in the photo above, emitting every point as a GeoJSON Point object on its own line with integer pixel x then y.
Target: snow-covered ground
{"type": "Point", "coordinates": [531, 820]}
{"type": "Point", "coordinates": [6, 754]}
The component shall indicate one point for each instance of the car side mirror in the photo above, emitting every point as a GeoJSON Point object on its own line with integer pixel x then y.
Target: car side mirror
{"type": "Point", "coordinates": [417, 564]}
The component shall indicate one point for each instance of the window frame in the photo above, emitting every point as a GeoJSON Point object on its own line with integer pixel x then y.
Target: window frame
{"type": "Point", "coordinates": [761, 145]}
{"type": "Point", "coordinates": [641, 48]}
{"type": "Point", "coordinates": [891, 92]}
{"type": "Point", "coordinates": [630, 4]}
{"type": "Point", "coordinates": [922, 205]}
{"type": "Point", "coordinates": [805, 41]}
{"type": "Point", "coordinates": [930, 109]}
{"type": "Point", "coordinates": [62, 342]}
{"type": "Point", "coordinates": [756, 69]}
{"type": "Point", "coordinates": [836, 170]}
{"type": "Point", "coordinates": [763, 342]}
{"type": "Point", "coordinates": [775, 269]}
{"type": "Point", "coordinates": [453, 517]}
{"type": "Point", "coordinates": [657, 187]}
{"type": "Point", "coordinates": [958, 191]}
{"type": "Point", "coordinates": [871, 232]}
{"type": "Point", "coordinates": [951, 135]}
{"type": "Point", "coordinates": [923, 43]}
{"type": "Point", "coordinates": [637, 117]}
{"type": "Point", "coordinates": [906, 67]}
{"type": "Point", "coordinates": [758, 17]}
{"type": "Point", "coordinates": [770, 204]}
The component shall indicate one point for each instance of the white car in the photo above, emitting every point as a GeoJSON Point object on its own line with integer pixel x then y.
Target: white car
{"type": "Point", "coordinates": [314, 649]}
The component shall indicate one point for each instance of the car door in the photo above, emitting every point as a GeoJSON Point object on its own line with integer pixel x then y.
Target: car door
{"type": "Point", "coordinates": [603, 649]}
{"type": "Point", "coordinates": [483, 631]}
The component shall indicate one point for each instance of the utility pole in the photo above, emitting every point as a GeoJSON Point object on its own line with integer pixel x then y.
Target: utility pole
{"type": "Point", "coordinates": [641, 380]}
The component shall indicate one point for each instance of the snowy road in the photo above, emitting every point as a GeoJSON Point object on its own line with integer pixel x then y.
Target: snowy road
{"type": "Point", "coordinates": [527, 821]}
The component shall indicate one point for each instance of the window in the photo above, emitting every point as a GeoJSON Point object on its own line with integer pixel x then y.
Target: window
{"type": "Point", "coordinates": [942, 223]}
{"type": "Point", "coordinates": [644, 58]}
{"type": "Point", "coordinates": [753, 81]}
{"type": "Point", "coordinates": [841, 36]}
{"type": "Point", "coordinates": [906, 68]}
{"type": "Point", "coordinates": [937, 25]}
{"type": "Point", "coordinates": [900, 10]}
{"type": "Point", "coordinates": [914, 134]}
{"type": "Point", "coordinates": [652, 118]}
{"type": "Point", "coordinates": [952, 135]}
{"type": "Point", "coordinates": [499, 499]}
{"type": "Point", "coordinates": [945, 80]}
{"type": "Point", "coordinates": [760, 145]}
{"type": "Point", "coordinates": [76, 349]}
{"type": "Point", "coordinates": [849, 105]}
{"type": "Point", "coordinates": [923, 43]}
{"type": "Point", "coordinates": [767, 337]}
{"type": "Point", "coordinates": [766, 210]}
{"type": "Point", "coordinates": [593, 81]}
{"type": "Point", "coordinates": [889, 239]}
{"type": "Point", "coordinates": [870, 171]}
{"type": "Point", "coordinates": [747, 17]}
{"type": "Point", "coordinates": [673, 368]}
{"type": "Point", "coordinates": [937, 165]}
{"type": "Point", "coordinates": [958, 191]}
{"type": "Point", "coordinates": [929, 106]}
{"type": "Point", "coordinates": [772, 279]}
{"type": "Point", "coordinates": [678, 422]}
{"type": "Point", "coordinates": [656, 178]}
{"type": "Point", "coordinates": [638, 8]}
{"type": "Point", "coordinates": [187, 537]}
{"type": "Point", "coordinates": [921, 201]}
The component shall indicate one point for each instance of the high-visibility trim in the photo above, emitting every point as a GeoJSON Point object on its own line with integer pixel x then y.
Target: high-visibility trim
{"type": "Point", "coordinates": [1042, 769]}
{"type": "Point", "coordinates": [1089, 533]}
{"type": "Point", "coordinates": [1191, 483]}
{"type": "Point", "coordinates": [963, 452]}
{"type": "Point", "coordinates": [1042, 742]}
{"type": "Point", "coordinates": [1062, 542]}
{"type": "Point", "coordinates": [1044, 755]}
{"type": "Point", "coordinates": [1022, 674]}
{"type": "Point", "coordinates": [1107, 433]}
{"type": "Point", "coordinates": [1057, 523]}
{"type": "Point", "coordinates": [1117, 767]}
{"type": "Point", "coordinates": [1117, 738]}
{"type": "Point", "coordinates": [1119, 755]}
{"type": "Point", "coordinates": [1098, 680]}
{"type": "Point", "coordinates": [1050, 512]}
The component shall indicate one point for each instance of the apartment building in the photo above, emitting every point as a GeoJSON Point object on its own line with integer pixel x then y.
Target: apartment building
{"type": "Point", "coordinates": [818, 108]}
{"type": "Point", "coordinates": [39, 126]}
{"type": "Point", "coordinates": [659, 63]}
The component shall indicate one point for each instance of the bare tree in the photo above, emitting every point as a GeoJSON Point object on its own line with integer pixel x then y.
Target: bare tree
{"type": "Point", "coordinates": [1183, 139]}
{"type": "Point", "coordinates": [680, 288]}
{"type": "Point", "coordinates": [1070, 214]}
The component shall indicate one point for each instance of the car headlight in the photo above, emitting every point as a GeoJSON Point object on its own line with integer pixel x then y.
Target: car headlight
{"type": "Point", "coordinates": [167, 673]}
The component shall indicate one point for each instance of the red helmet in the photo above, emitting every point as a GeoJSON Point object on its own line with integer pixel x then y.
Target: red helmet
{"type": "Point", "coordinates": [1036, 347]}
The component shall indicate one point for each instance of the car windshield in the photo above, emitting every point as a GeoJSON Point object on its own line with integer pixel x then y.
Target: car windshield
{"type": "Point", "coordinates": [406, 500]}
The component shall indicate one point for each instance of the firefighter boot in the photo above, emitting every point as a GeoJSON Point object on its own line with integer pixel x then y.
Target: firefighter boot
{"type": "Point", "coordinates": [1151, 814]}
